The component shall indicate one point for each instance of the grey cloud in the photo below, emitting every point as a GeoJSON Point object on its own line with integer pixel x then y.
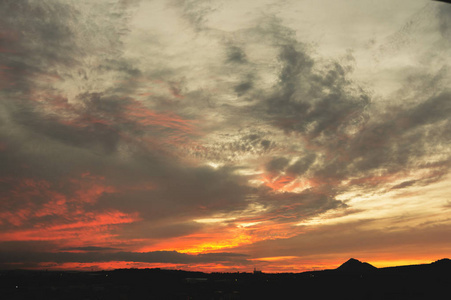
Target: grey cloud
{"type": "Point", "coordinates": [404, 184]}
{"type": "Point", "coordinates": [102, 256]}
{"type": "Point", "coordinates": [18, 246]}
{"type": "Point", "coordinates": [42, 41]}
{"type": "Point", "coordinates": [318, 101]}
{"type": "Point", "coordinates": [190, 192]}
{"type": "Point", "coordinates": [88, 249]}
{"type": "Point", "coordinates": [175, 191]}
{"type": "Point", "coordinates": [343, 239]}
{"type": "Point", "coordinates": [151, 229]}
{"type": "Point", "coordinates": [399, 139]}
{"type": "Point", "coordinates": [109, 106]}
{"type": "Point", "coordinates": [121, 66]}
{"type": "Point", "coordinates": [243, 87]}
{"type": "Point", "coordinates": [195, 12]}
{"type": "Point", "coordinates": [295, 63]}
{"type": "Point", "coordinates": [265, 144]}
{"type": "Point", "coordinates": [294, 207]}
{"type": "Point", "coordinates": [236, 55]}
{"type": "Point", "coordinates": [302, 165]}
{"type": "Point", "coordinates": [311, 97]}
{"type": "Point", "coordinates": [432, 110]}
{"type": "Point", "coordinates": [444, 13]}
{"type": "Point", "coordinates": [54, 40]}
{"type": "Point", "coordinates": [315, 104]}
{"type": "Point", "coordinates": [100, 137]}
{"type": "Point", "coordinates": [232, 146]}
{"type": "Point", "coordinates": [277, 164]}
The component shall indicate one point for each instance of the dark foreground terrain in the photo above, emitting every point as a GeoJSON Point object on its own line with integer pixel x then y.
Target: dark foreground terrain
{"type": "Point", "coordinates": [352, 280]}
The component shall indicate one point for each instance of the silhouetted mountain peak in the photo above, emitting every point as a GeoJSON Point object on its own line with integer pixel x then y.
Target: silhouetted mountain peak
{"type": "Point", "coordinates": [353, 261]}
{"type": "Point", "coordinates": [354, 265]}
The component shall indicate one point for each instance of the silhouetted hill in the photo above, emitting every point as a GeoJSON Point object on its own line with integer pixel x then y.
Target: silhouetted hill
{"type": "Point", "coordinates": [437, 267]}
{"type": "Point", "coordinates": [352, 280]}
{"type": "Point", "coordinates": [356, 266]}
{"type": "Point", "coordinates": [442, 263]}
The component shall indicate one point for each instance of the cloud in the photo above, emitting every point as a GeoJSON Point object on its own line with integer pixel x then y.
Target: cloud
{"type": "Point", "coordinates": [236, 55]}
{"type": "Point", "coordinates": [342, 240]}
{"type": "Point", "coordinates": [88, 249]}
{"type": "Point", "coordinates": [292, 207]}
{"type": "Point", "coordinates": [404, 184]}
{"type": "Point", "coordinates": [302, 165]}
{"type": "Point", "coordinates": [277, 164]}
{"type": "Point", "coordinates": [27, 258]}
{"type": "Point", "coordinates": [444, 12]}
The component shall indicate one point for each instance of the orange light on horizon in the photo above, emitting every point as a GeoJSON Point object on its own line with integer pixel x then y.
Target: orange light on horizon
{"type": "Point", "coordinates": [276, 264]}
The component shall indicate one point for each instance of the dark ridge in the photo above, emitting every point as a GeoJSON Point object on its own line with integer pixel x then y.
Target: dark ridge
{"type": "Point", "coordinates": [414, 282]}
{"type": "Point", "coordinates": [442, 262]}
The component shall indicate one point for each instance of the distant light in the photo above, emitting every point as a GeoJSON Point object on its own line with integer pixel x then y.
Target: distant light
{"type": "Point", "coordinates": [213, 220]}
{"type": "Point", "coordinates": [248, 224]}
{"type": "Point", "coordinates": [214, 165]}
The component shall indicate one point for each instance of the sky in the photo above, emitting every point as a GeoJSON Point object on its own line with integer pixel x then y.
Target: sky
{"type": "Point", "coordinates": [223, 136]}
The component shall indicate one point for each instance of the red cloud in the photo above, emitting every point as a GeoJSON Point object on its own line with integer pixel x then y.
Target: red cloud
{"type": "Point", "coordinates": [38, 210]}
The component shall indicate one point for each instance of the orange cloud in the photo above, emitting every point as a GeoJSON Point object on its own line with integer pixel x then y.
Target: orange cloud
{"type": "Point", "coordinates": [87, 227]}
{"type": "Point", "coordinates": [146, 117]}
{"type": "Point", "coordinates": [217, 238]}
{"type": "Point", "coordinates": [71, 222]}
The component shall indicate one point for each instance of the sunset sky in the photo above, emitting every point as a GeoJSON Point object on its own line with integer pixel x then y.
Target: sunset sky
{"type": "Point", "coordinates": [224, 135]}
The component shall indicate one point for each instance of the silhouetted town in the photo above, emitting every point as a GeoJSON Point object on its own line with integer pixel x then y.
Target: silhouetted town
{"type": "Point", "coordinates": [352, 280]}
